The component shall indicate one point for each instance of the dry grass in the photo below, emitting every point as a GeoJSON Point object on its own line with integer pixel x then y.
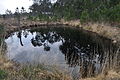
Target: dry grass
{"type": "Point", "coordinates": [38, 72]}
{"type": "Point", "coordinates": [102, 29]}
{"type": "Point", "coordinates": [11, 71]}
{"type": "Point", "coordinates": [110, 75]}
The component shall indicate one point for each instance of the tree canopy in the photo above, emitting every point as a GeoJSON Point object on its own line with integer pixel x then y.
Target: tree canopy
{"type": "Point", "coordinates": [85, 10]}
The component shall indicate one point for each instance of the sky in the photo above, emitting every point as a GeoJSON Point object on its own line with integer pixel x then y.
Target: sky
{"type": "Point", "coordinates": [12, 4]}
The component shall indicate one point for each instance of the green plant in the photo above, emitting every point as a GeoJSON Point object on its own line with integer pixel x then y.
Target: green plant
{"type": "Point", "coordinates": [114, 13]}
{"type": "Point", "coordinates": [3, 74]}
{"type": "Point", "coordinates": [84, 17]}
{"type": "Point", "coordinates": [30, 17]}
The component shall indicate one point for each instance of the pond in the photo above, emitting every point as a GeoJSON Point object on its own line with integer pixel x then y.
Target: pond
{"type": "Point", "coordinates": [79, 52]}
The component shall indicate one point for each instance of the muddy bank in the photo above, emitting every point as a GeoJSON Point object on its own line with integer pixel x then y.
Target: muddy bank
{"type": "Point", "coordinates": [101, 29]}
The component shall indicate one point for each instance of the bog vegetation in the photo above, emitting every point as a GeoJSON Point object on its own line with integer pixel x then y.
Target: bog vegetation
{"type": "Point", "coordinates": [85, 10]}
{"type": "Point", "coordinates": [45, 10]}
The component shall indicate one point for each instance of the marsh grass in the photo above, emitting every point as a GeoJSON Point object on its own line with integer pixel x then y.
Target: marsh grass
{"type": "Point", "coordinates": [39, 72]}
{"type": "Point", "coordinates": [10, 70]}
{"type": "Point", "coordinates": [110, 69]}
{"type": "Point", "coordinates": [112, 75]}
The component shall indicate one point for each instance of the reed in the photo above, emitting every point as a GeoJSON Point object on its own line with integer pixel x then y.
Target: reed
{"type": "Point", "coordinates": [110, 67]}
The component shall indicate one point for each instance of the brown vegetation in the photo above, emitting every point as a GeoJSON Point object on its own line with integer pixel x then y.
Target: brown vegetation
{"type": "Point", "coordinates": [13, 72]}
{"type": "Point", "coordinates": [110, 75]}
{"type": "Point", "coordinates": [103, 29]}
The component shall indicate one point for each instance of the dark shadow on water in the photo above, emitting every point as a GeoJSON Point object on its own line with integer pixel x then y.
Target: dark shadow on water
{"type": "Point", "coordinates": [81, 48]}
{"type": "Point", "coordinates": [19, 36]}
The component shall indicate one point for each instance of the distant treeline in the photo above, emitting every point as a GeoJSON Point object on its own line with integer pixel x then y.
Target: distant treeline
{"type": "Point", "coordinates": [85, 10]}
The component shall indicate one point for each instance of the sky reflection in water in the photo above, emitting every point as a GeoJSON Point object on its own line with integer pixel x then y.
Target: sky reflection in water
{"type": "Point", "coordinates": [65, 47]}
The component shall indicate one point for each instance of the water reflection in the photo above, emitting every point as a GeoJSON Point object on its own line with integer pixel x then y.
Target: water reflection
{"type": "Point", "coordinates": [19, 36]}
{"type": "Point", "coordinates": [42, 39]}
{"type": "Point", "coordinates": [64, 45]}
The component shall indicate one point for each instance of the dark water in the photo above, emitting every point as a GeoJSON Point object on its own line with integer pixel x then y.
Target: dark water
{"type": "Point", "coordinates": [73, 50]}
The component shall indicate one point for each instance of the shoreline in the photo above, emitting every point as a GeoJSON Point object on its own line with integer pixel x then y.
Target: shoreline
{"type": "Point", "coordinates": [101, 29]}
{"type": "Point", "coordinates": [8, 65]}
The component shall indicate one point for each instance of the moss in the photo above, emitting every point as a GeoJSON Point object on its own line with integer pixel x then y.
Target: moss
{"type": "Point", "coordinates": [3, 74]}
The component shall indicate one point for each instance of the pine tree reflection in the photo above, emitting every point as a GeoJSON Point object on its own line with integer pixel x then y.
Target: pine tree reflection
{"type": "Point", "coordinates": [20, 37]}
{"type": "Point", "coordinates": [25, 33]}
{"type": "Point", "coordinates": [43, 39]}
{"type": "Point", "coordinates": [89, 52]}
{"type": "Point", "coordinates": [79, 48]}
{"type": "Point", "coordinates": [46, 47]}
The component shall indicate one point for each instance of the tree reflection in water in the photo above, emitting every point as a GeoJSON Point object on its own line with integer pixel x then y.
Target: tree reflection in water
{"type": "Point", "coordinates": [80, 48]}
{"type": "Point", "coordinates": [20, 37]}
{"type": "Point", "coordinates": [43, 39]}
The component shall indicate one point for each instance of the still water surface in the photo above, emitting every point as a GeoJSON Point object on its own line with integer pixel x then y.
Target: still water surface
{"type": "Point", "coordinates": [75, 50]}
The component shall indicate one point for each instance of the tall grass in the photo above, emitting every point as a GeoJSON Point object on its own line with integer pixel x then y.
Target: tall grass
{"type": "Point", "coordinates": [38, 72]}
{"type": "Point", "coordinates": [13, 71]}
{"type": "Point", "coordinates": [3, 74]}
{"type": "Point", "coordinates": [10, 70]}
